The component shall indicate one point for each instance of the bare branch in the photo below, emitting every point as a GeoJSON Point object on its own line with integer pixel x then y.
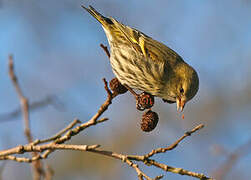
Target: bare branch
{"type": "Point", "coordinates": [48, 172]}
{"type": "Point", "coordinates": [175, 144]}
{"type": "Point", "coordinates": [37, 166]}
{"type": "Point", "coordinates": [2, 166]}
{"type": "Point", "coordinates": [57, 145]}
{"type": "Point", "coordinates": [106, 104]}
{"type": "Point", "coordinates": [60, 133]}
{"type": "Point", "coordinates": [23, 100]}
{"type": "Point", "coordinates": [31, 147]}
{"type": "Point", "coordinates": [231, 160]}
{"type": "Point", "coordinates": [48, 100]}
{"type": "Point", "coordinates": [94, 149]}
{"type": "Point", "coordinates": [177, 170]}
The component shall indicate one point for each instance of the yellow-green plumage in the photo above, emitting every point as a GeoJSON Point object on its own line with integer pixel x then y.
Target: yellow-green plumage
{"type": "Point", "coordinates": [146, 64]}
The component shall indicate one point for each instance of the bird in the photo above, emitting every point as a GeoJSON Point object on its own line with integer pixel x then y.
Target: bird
{"type": "Point", "coordinates": [142, 63]}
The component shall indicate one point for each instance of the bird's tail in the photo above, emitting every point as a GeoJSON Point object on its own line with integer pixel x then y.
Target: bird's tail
{"type": "Point", "coordinates": [103, 20]}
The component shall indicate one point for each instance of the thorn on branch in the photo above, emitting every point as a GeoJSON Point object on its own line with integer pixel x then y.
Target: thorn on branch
{"type": "Point", "coordinates": [106, 50]}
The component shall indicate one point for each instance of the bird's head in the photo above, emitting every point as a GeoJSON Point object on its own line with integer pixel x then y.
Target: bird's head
{"type": "Point", "coordinates": [183, 85]}
{"type": "Point", "coordinates": [187, 85]}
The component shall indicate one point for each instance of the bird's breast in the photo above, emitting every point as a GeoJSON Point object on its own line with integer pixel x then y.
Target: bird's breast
{"type": "Point", "coordinates": [137, 72]}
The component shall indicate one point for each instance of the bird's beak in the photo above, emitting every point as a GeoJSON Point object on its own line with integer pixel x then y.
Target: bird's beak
{"type": "Point", "coordinates": [180, 104]}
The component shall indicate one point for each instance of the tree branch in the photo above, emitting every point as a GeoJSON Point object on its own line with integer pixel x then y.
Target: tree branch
{"type": "Point", "coordinates": [37, 166]}
{"type": "Point", "coordinates": [128, 159]}
{"type": "Point", "coordinates": [175, 144]}
{"type": "Point", "coordinates": [221, 172]}
{"type": "Point", "coordinates": [48, 100]}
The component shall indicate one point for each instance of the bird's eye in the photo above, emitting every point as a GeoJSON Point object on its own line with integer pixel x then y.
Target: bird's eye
{"type": "Point", "coordinates": [181, 90]}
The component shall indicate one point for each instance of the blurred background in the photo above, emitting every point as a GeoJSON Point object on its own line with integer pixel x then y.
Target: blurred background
{"type": "Point", "coordinates": [57, 55]}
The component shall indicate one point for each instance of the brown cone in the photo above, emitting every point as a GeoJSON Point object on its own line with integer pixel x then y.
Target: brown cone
{"type": "Point", "coordinates": [117, 87]}
{"type": "Point", "coordinates": [144, 101]}
{"type": "Point", "coordinates": [149, 121]}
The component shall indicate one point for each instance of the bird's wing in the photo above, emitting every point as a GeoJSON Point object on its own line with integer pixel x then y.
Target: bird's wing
{"type": "Point", "coordinates": [128, 33]}
{"type": "Point", "coordinates": [148, 47]}
{"type": "Point", "coordinates": [151, 49]}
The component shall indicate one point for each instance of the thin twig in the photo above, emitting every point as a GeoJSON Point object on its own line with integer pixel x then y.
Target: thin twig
{"type": "Point", "coordinates": [175, 170]}
{"type": "Point", "coordinates": [60, 133]}
{"type": "Point", "coordinates": [48, 172]}
{"type": "Point", "coordinates": [132, 92]}
{"type": "Point", "coordinates": [146, 158]}
{"type": "Point", "coordinates": [106, 50]}
{"type": "Point", "coordinates": [23, 100]}
{"type": "Point", "coordinates": [221, 172]}
{"type": "Point", "coordinates": [37, 166]}
{"type": "Point", "coordinates": [2, 166]}
{"type": "Point", "coordinates": [175, 144]}
{"type": "Point", "coordinates": [49, 100]}
{"type": "Point", "coordinates": [106, 104]}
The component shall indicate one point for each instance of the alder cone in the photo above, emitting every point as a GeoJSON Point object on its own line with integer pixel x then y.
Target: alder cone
{"type": "Point", "coordinates": [144, 101]}
{"type": "Point", "coordinates": [149, 121]}
{"type": "Point", "coordinates": [117, 87]}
